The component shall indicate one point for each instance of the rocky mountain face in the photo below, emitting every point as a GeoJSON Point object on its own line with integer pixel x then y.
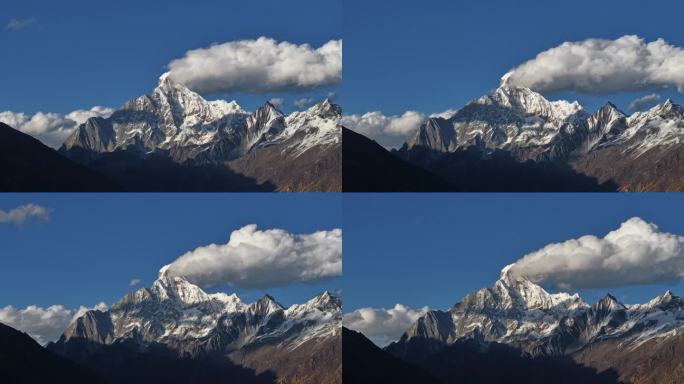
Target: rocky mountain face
{"type": "Point", "coordinates": [606, 145]}
{"type": "Point", "coordinates": [179, 126]}
{"type": "Point", "coordinates": [299, 344]}
{"type": "Point", "coordinates": [520, 314]}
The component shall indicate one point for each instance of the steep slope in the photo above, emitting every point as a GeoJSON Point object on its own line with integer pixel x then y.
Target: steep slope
{"type": "Point", "coordinates": [211, 145]}
{"type": "Point", "coordinates": [22, 360]}
{"type": "Point", "coordinates": [556, 140]}
{"type": "Point", "coordinates": [174, 319]}
{"type": "Point", "coordinates": [366, 363]}
{"type": "Point", "coordinates": [368, 167]}
{"type": "Point", "coordinates": [27, 165]}
{"type": "Point", "coordinates": [519, 314]}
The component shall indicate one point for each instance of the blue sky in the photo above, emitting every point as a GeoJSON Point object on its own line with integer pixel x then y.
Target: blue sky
{"type": "Point", "coordinates": [435, 55]}
{"type": "Point", "coordinates": [433, 249]}
{"type": "Point", "coordinates": [94, 244]}
{"type": "Point", "coordinates": [75, 54]}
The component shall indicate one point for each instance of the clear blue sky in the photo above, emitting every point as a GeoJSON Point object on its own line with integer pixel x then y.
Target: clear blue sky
{"type": "Point", "coordinates": [434, 55]}
{"type": "Point", "coordinates": [433, 249]}
{"type": "Point", "coordinates": [79, 53]}
{"type": "Point", "coordinates": [95, 244]}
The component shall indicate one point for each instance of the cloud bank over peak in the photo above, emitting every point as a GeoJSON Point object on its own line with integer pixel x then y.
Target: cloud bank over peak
{"type": "Point", "coordinates": [52, 128]}
{"type": "Point", "coordinates": [382, 326]}
{"type": "Point", "coordinates": [599, 66]}
{"type": "Point", "coordinates": [255, 258]}
{"type": "Point", "coordinates": [636, 253]}
{"type": "Point", "coordinates": [259, 66]}
{"type": "Point", "coordinates": [44, 324]}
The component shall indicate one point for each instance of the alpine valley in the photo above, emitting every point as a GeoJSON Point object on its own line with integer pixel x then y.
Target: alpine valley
{"type": "Point", "coordinates": [174, 332]}
{"type": "Point", "coordinates": [517, 332]}
{"type": "Point", "coordinates": [175, 140]}
{"type": "Point", "coordinates": [514, 139]}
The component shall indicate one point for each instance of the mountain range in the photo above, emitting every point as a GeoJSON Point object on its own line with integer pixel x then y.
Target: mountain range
{"type": "Point", "coordinates": [514, 139]}
{"type": "Point", "coordinates": [207, 338]}
{"type": "Point", "coordinates": [175, 140]}
{"type": "Point", "coordinates": [517, 320]}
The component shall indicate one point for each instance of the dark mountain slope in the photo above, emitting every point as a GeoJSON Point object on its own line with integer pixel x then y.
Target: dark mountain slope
{"type": "Point", "coordinates": [22, 360]}
{"type": "Point", "coordinates": [27, 165]}
{"type": "Point", "coordinates": [368, 167]}
{"type": "Point", "coordinates": [364, 362]}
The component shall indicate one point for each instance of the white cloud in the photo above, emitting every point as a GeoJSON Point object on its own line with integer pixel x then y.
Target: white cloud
{"type": "Point", "coordinates": [51, 128]}
{"type": "Point", "coordinates": [636, 253]}
{"type": "Point", "coordinates": [18, 24]}
{"type": "Point", "coordinates": [134, 282]}
{"type": "Point", "coordinates": [388, 131]}
{"type": "Point", "coordinates": [253, 258]}
{"type": "Point", "coordinates": [277, 101]}
{"type": "Point", "coordinates": [303, 102]}
{"type": "Point", "coordinates": [259, 66]}
{"type": "Point", "coordinates": [382, 326]}
{"type": "Point", "coordinates": [23, 213]}
{"type": "Point", "coordinates": [43, 324]}
{"type": "Point", "coordinates": [644, 101]}
{"type": "Point", "coordinates": [602, 66]}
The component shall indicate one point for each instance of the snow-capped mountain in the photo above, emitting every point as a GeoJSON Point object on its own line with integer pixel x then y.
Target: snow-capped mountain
{"type": "Point", "coordinates": [194, 324]}
{"type": "Point", "coordinates": [526, 126]}
{"type": "Point", "coordinates": [178, 124]}
{"type": "Point", "coordinates": [181, 315]}
{"type": "Point", "coordinates": [521, 314]}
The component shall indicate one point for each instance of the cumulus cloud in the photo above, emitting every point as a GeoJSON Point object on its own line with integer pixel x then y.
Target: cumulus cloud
{"type": "Point", "coordinates": [259, 66]}
{"type": "Point", "coordinates": [24, 213]}
{"type": "Point", "coordinates": [43, 324]}
{"type": "Point", "coordinates": [598, 66]}
{"type": "Point", "coordinates": [636, 253]}
{"type": "Point", "coordinates": [253, 258]}
{"type": "Point", "coordinates": [134, 282]}
{"type": "Point", "coordinates": [18, 24]}
{"type": "Point", "coordinates": [388, 131]}
{"type": "Point", "coordinates": [382, 326]}
{"type": "Point", "coordinates": [51, 128]}
{"type": "Point", "coordinates": [644, 101]}
{"type": "Point", "coordinates": [303, 102]}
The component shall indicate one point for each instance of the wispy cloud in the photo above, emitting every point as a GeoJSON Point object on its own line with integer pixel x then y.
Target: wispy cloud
{"type": "Point", "coordinates": [24, 213]}
{"type": "Point", "coordinates": [644, 101]}
{"type": "Point", "coordinates": [303, 102]}
{"type": "Point", "coordinates": [19, 24]}
{"type": "Point", "coordinates": [277, 101]}
{"type": "Point", "coordinates": [134, 282]}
